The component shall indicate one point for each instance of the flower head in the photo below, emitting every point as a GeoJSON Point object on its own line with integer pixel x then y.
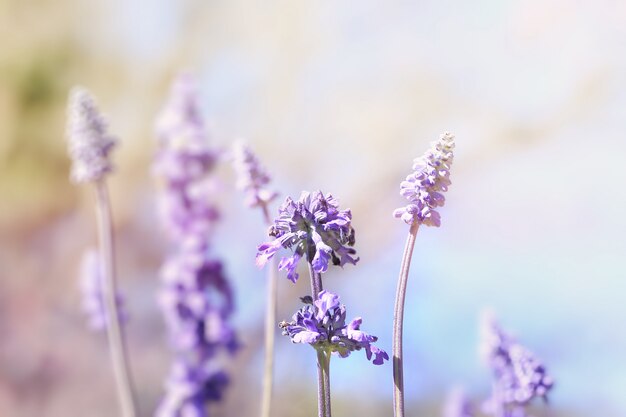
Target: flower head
{"type": "Point", "coordinates": [425, 185]}
{"type": "Point", "coordinates": [88, 141]}
{"type": "Point", "coordinates": [322, 325]}
{"type": "Point", "coordinates": [519, 375]}
{"type": "Point", "coordinates": [315, 228]}
{"type": "Point", "coordinates": [92, 295]}
{"type": "Point", "coordinates": [252, 177]}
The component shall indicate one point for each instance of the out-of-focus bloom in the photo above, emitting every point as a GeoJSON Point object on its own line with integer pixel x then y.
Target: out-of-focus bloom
{"type": "Point", "coordinates": [89, 143]}
{"type": "Point", "coordinates": [457, 405]}
{"type": "Point", "coordinates": [519, 376]}
{"type": "Point", "coordinates": [196, 297]}
{"type": "Point", "coordinates": [252, 177]}
{"type": "Point", "coordinates": [183, 162]}
{"type": "Point", "coordinates": [322, 324]}
{"type": "Point", "coordinates": [316, 229]}
{"type": "Point", "coordinates": [91, 291]}
{"type": "Point", "coordinates": [189, 389]}
{"type": "Point", "coordinates": [425, 185]}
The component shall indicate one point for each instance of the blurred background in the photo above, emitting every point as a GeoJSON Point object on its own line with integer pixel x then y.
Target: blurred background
{"type": "Point", "coordinates": [339, 96]}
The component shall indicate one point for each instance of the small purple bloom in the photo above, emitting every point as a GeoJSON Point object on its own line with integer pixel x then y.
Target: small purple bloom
{"type": "Point", "coordinates": [189, 388]}
{"type": "Point", "coordinates": [92, 295]}
{"type": "Point", "coordinates": [424, 186]}
{"type": "Point", "coordinates": [252, 177]}
{"type": "Point", "coordinates": [519, 376]}
{"type": "Point", "coordinates": [322, 325]}
{"type": "Point", "coordinates": [89, 143]}
{"type": "Point", "coordinates": [315, 228]}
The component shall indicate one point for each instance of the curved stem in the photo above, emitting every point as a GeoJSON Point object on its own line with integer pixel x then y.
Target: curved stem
{"type": "Point", "coordinates": [115, 336]}
{"type": "Point", "coordinates": [398, 318]}
{"type": "Point", "coordinates": [270, 330]}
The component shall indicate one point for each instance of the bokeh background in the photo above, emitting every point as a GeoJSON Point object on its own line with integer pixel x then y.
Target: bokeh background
{"type": "Point", "coordinates": [339, 96]}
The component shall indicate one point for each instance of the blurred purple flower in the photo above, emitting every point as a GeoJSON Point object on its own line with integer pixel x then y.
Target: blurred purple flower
{"type": "Point", "coordinates": [519, 376]}
{"type": "Point", "coordinates": [322, 324]}
{"type": "Point", "coordinates": [252, 177]}
{"type": "Point", "coordinates": [189, 389]}
{"type": "Point", "coordinates": [424, 187]}
{"type": "Point", "coordinates": [91, 291]}
{"type": "Point", "coordinates": [315, 228]}
{"type": "Point", "coordinates": [89, 143]}
{"type": "Point", "coordinates": [457, 405]}
{"type": "Point", "coordinates": [196, 297]}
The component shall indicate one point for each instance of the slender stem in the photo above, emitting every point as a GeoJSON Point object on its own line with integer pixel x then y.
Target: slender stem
{"type": "Point", "coordinates": [115, 336]}
{"type": "Point", "coordinates": [323, 382]}
{"type": "Point", "coordinates": [270, 330]}
{"type": "Point", "coordinates": [323, 363]}
{"type": "Point", "coordinates": [398, 317]}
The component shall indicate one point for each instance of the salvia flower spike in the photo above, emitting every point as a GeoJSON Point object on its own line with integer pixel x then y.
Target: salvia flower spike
{"type": "Point", "coordinates": [424, 189]}
{"type": "Point", "coordinates": [315, 229]}
{"type": "Point", "coordinates": [196, 297]}
{"type": "Point", "coordinates": [518, 376]}
{"type": "Point", "coordinates": [89, 147]}
{"type": "Point", "coordinates": [89, 143]}
{"type": "Point", "coordinates": [252, 177]}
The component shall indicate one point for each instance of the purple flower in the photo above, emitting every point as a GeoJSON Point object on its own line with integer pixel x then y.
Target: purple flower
{"type": "Point", "coordinates": [252, 177]}
{"type": "Point", "coordinates": [424, 187]}
{"type": "Point", "coordinates": [189, 388]}
{"type": "Point", "coordinates": [457, 405]}
{"type": "Point", "coordinates": [322, 325]}
{"type": "Point", "coordinates": [519, 376]}
{"type": "Point", "coordinates": [91, 290]}
{"type": "Point", "coordinates": [89, 143]}
{"type": "Point", "coordinates": [196, 297]}
{"type": "Point", "coordinates": [315, 228]}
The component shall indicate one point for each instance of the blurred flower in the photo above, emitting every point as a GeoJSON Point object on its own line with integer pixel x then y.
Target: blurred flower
{"type": "Point", "coordinates": [519, 376]}
{"type": "Point", "coordinates": [189, 389]}
{"type": "Point", "coordinates": [457, 405]}
{"type": "Point", "coordinates": [91, 290]}
{"type": "Point", "coordinates": [196, 297]}
{"type": "Point", "coordinates": [316, 228]}
{"type": "Point", "coordinates": [251, 176]}
{"type": "Point", "coordinates": [89, 143]}
{"type": "Point", "coordinates": [323, 326]}
{"type": "Point", "coordinates": [423, 188]}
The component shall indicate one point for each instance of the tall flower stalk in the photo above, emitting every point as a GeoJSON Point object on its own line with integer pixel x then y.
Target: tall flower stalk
{"type": "Point", "coordinates": [317, 230]}
{"type": "Point", "coordinates": [423, 188]}
{"type": "Point", "coordinates": [252, 178]}
{"type": "Point", "coordinates": [196, 297]}
{"type": "Point", "coordinates": [89, 146]}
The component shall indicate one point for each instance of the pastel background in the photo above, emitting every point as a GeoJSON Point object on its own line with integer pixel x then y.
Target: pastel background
{"type": "Point", "coordinates": [338, 96]}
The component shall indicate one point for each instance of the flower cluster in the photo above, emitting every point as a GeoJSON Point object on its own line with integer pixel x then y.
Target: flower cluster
{"type": "Point", "coordinates": [183, 162]}
{"type": "Point", "coordinates": [91, 291]}
{"type": "Point", "coordinates": [89, 143]}
{"type": "Point", "coordinates": [424, 186]}
{"type": "Point", "coordinates": [519, 376]}
{"type": "Point", "coordinates": [322, 324]}
{"type": "Point", "coordinates": [252, 177]}
{"type": "Point", "coordinates": [315, 228]}
{"type": "Point", "coordinates": [196, 298]}
{"type": "Point", "coordinates": [189, 388]}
